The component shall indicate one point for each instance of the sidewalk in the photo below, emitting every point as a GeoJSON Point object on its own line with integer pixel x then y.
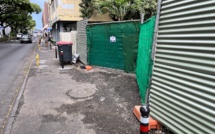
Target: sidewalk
{"type": "Point", "coordinates": [76, 101]}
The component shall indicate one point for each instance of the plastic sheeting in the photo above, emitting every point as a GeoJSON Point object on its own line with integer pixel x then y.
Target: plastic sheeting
{"type": "Point", "coordinates": [113, 45]}
{"type": "Point", "coordinates": [144, 62]}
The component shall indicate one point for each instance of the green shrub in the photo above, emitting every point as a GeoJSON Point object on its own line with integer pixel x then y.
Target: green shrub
{"type": "Point", "coordinates": [3, 39]}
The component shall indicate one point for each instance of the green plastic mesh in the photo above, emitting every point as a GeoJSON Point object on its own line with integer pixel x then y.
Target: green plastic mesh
{"type": "Point", "coordinates": [144, 62]}
{"type": "Point", "coordinates": [120, 54]}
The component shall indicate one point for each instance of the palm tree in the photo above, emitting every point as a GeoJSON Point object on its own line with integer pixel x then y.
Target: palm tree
{"type": "Point", "coordinates": [146, 7]}
{"type": "Point", "coordinates": [86, 8]}
{"type": "Point", "coordinates": [117, 9]}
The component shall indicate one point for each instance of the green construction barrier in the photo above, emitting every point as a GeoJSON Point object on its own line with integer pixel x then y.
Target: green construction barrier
{"type": "Point", "coordinates": [113, 45]}
{"type": "Point", "coordinates": [144, 62]}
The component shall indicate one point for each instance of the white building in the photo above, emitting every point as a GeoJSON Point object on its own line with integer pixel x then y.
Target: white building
{"type": "Point", "coordinates": [7, 31]}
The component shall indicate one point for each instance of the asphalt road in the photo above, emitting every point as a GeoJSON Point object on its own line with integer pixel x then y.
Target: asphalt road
{"type": "Point", "coordinates": [14, 59]}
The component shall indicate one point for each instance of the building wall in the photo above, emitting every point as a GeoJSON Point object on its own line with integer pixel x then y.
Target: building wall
{"type": "Point", "coordinates": [64, 15]}
{"type": "Point", "coordinates": [45, 17]}
{"type": "Point", "coordinates": [7, 31]}
{"type": "Point", "coordinates": [68, 10]}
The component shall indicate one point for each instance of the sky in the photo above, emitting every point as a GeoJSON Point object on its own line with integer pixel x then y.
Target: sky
{"type": "Point", "coordinates": [38, 17]}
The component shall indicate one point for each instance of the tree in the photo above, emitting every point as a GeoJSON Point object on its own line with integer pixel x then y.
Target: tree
{"type": "Point", "coordinates": [13, 12]}
{"type": "Point", "coordinates": [121, 9]}
{"type": "Point", "coordinates": [117, 9]}
{"type": "Point", "coordinates": [146, 7]}
{"type": "Point", "coordinates": [24, 25]}
{"type": "Point", "coordinates": [86, 8]}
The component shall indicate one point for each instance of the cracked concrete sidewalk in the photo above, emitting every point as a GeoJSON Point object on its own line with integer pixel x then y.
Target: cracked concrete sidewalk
{"type": "Point", "coordinates": [76, 101]}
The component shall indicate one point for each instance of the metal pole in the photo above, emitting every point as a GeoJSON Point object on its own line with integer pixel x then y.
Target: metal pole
{"type": "Point", "coordinates": [144, 119]}
{"type": "Point", "coordinates": [50, 45]}
{"type": "Point", "coordinates": [56, 52]}
{"type": "Point", "coordinates": [142, 18]}
{"type": "Point", "coordinates": [156, 28]}
{"type": "Point", "coordinates": [159, 4]}
{"type": "Point", "coordinates": [61, 53]}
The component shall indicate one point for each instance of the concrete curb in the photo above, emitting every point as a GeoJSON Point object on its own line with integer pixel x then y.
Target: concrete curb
{"type": "Point", "coordinates": [21, 91]}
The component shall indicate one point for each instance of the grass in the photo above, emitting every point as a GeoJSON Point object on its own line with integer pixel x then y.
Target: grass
{"type": "Point", "coordinates": [6, 38]}
{"type": "Point", "coordinates": [3, 39]}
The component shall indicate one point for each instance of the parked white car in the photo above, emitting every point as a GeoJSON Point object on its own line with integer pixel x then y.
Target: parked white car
{"type": "Point", "coordinates": [19, 35]}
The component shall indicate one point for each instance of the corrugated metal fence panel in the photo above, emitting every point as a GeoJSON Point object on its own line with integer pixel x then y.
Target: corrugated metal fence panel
{"type": "Point", "coordinates": [182, 95]}
{"type": "Point", "coordinates": [65, 36]}
{"type": "Point", "coordinates": [74, 41]}
{"type": "Point", "coordinates": [71, 37]}
{"type": "Point", "coordinates": [82, 40]}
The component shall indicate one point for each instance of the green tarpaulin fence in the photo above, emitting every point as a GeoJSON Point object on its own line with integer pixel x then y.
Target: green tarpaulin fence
{"type": "Point", "coordinates": [144, 62]}
{"type": "Point", "coordinates": [113, 45]}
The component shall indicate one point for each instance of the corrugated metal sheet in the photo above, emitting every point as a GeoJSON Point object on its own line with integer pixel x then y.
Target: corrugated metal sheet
{"type": "Point", "coordinates": [182, 95]}
{"type": "Point", "coordinates": [70, 36]}
{"type": "Point", "coordinates": [82, 40]}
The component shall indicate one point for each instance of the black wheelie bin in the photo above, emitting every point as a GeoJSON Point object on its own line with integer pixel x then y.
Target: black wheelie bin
{"type": "Point", "coordinates": [66, 48]}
